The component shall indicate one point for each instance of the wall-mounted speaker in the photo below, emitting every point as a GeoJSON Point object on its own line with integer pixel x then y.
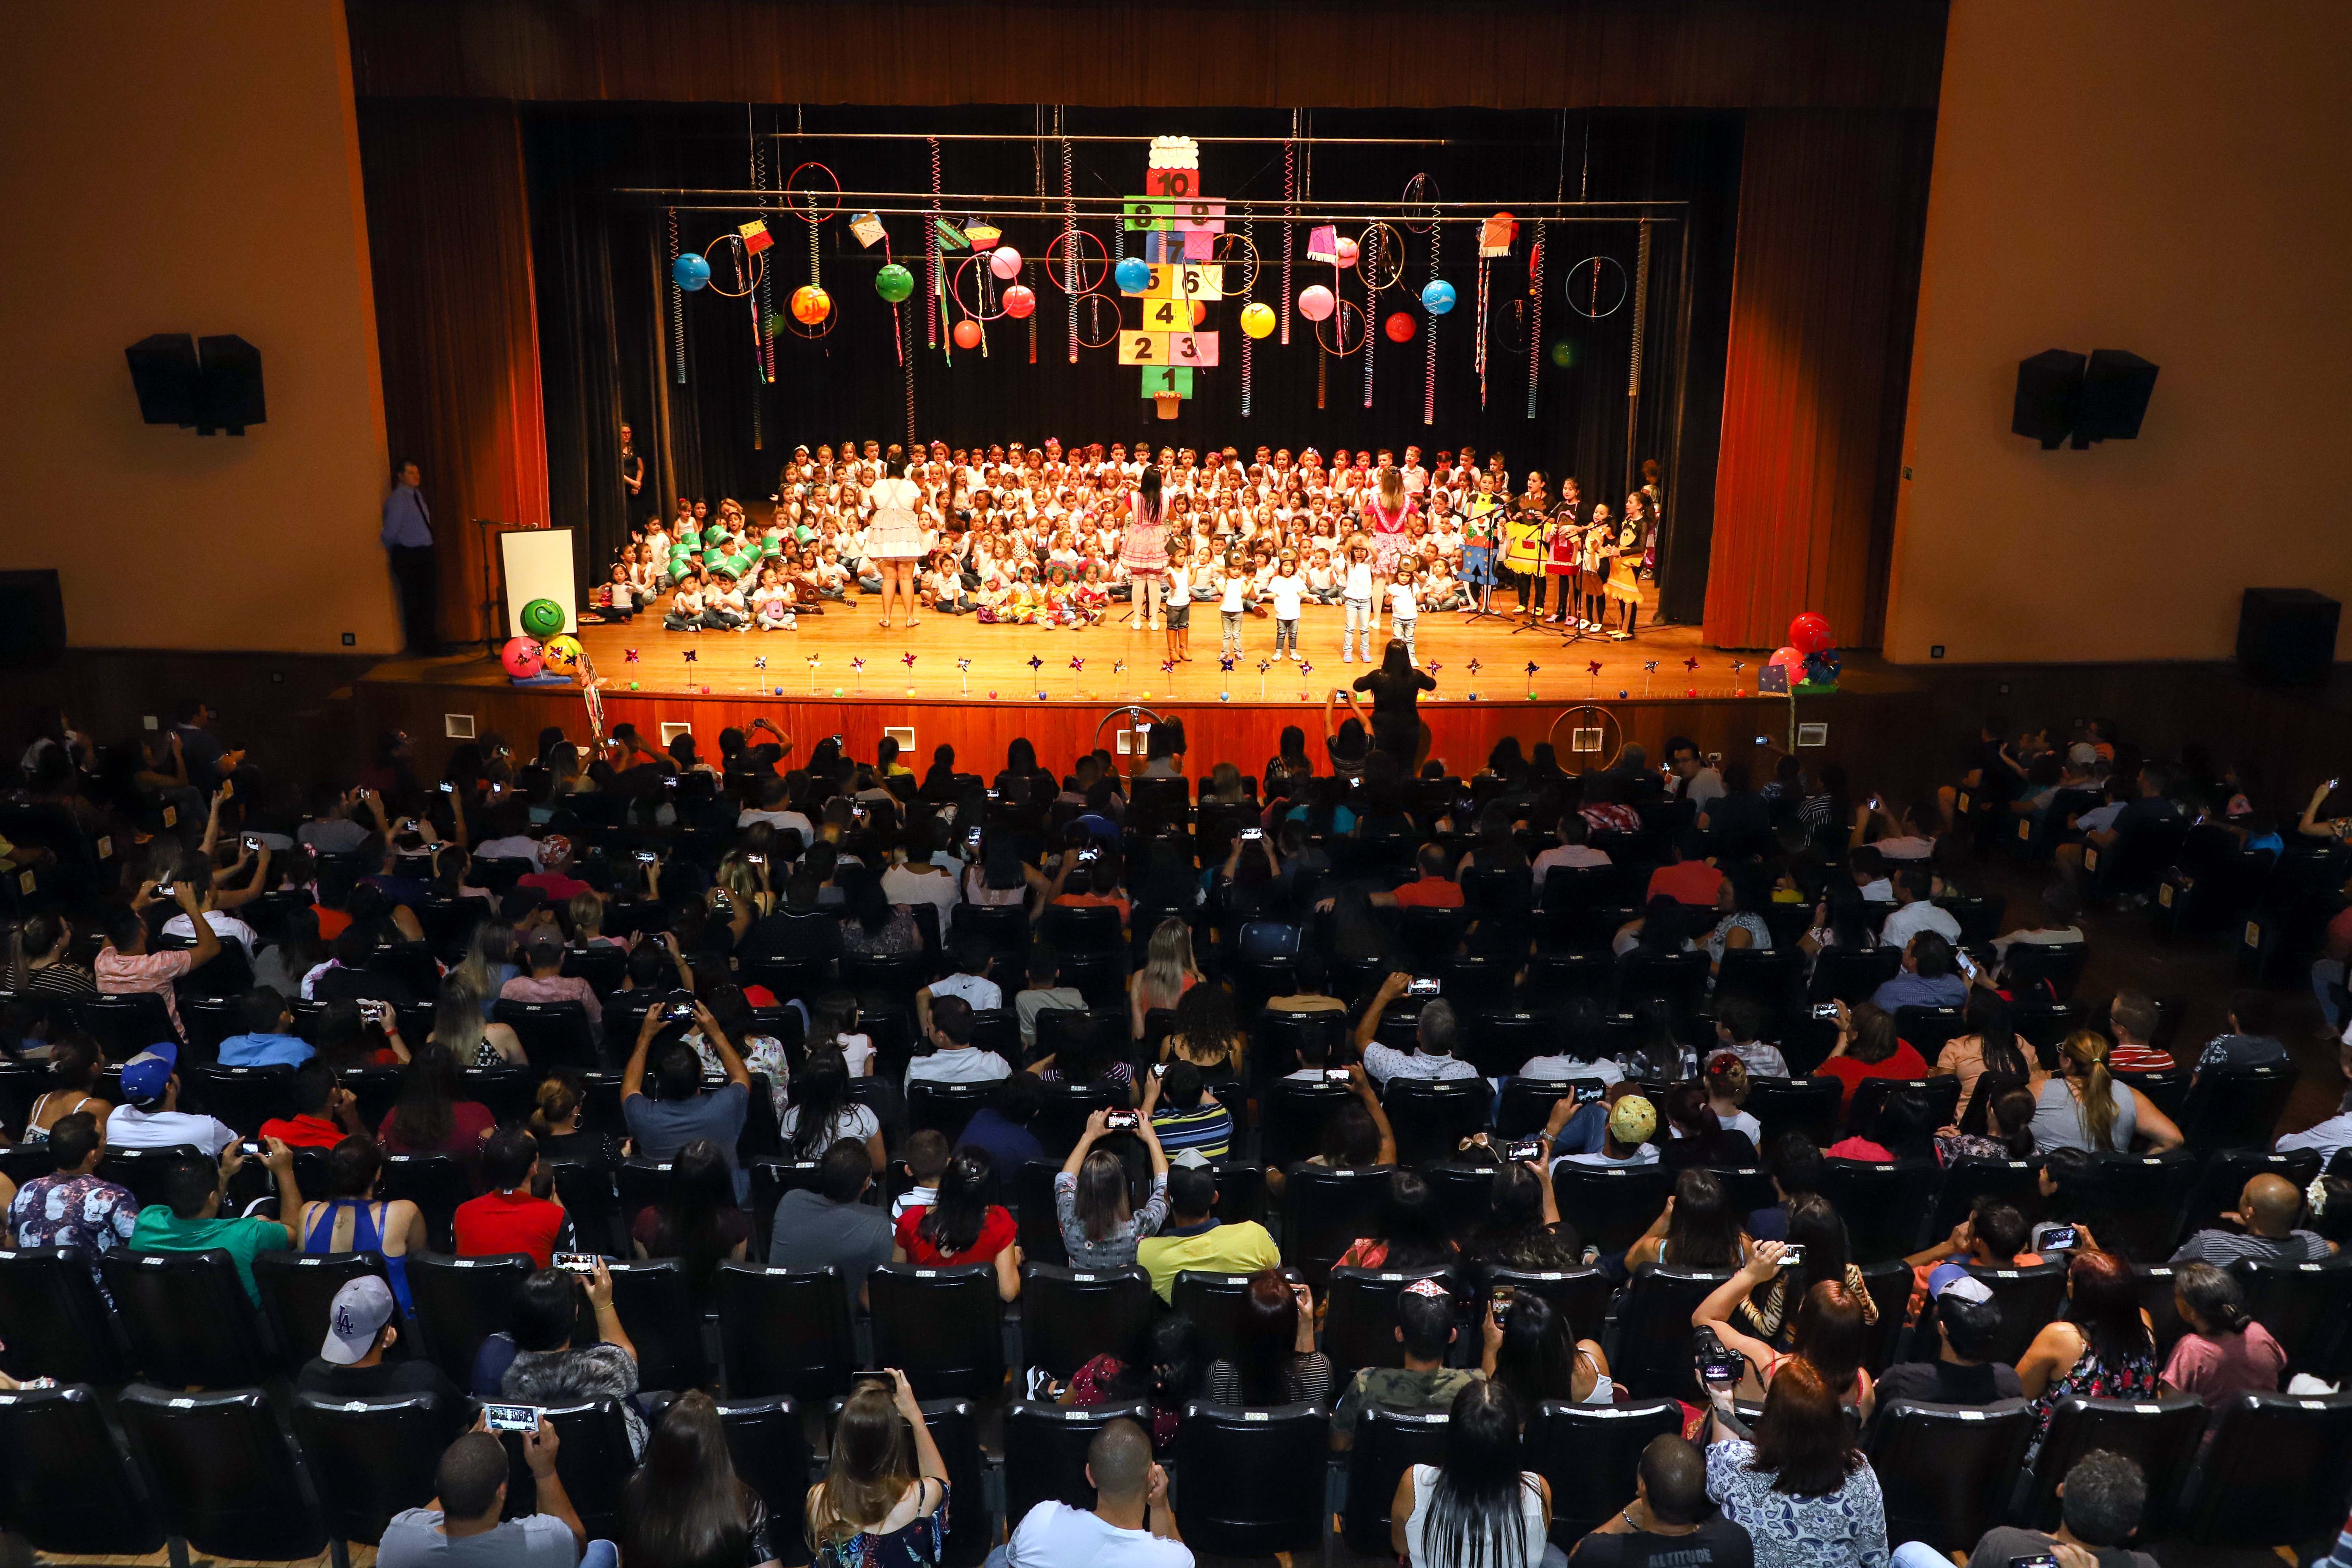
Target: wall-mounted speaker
{"type": "Point", "coordinates": [2048, 396]}
{"type": "Point", "coordinates": [163, 374]}
{"type": "Point", "coordinates": [2287, 636]}
{"type": "Point", "coordinates": [32, 618]}
{"type": "Point", "coordinates": [228, 385]}
{"type": "Point", "coordinates": [2115, 389]}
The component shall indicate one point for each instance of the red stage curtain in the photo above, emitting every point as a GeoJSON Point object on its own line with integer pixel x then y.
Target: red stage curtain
{"type": "Point", "coordinates": [457, 324]}
{"type": "Point", "coordinates": [1831, 207]}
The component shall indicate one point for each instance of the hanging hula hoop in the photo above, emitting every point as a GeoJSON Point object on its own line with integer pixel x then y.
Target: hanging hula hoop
{"type": "Point", "coordinates": [1337, 321]}
{"type": "Point", "coordinates": [1581, 295]}
{"type": "Point", "coordinates": [815, 196]}
{"type": "Point", "coordinates": [1510, 320]}
{"type": "Point", "coordinates": [1421, 191]}
{"type": "Point", "coordinates": [1054, 262]}
{"type": "Point", "coordinates": [1243, 252]}
{"type": "Point", "coordinates": [1589, 723]}
{"type": "Point", "coordinates": [751, 274]}
{"type": "Point", "coordinates": [1098, 308]}
{"type": "Point", "coordinates": [1380, 256]}
{"type": "Point", "coordinates": [955, 292]}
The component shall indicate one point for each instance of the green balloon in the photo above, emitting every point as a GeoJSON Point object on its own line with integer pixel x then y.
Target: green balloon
{"type": "Point", "coordinates": [894, 282]}
{"type": "Point", "coordinates": [1563, 354]}
{"type": "Point", "coordinates": [542, 617]}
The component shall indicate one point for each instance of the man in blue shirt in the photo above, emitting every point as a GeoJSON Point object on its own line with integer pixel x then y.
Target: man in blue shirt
{"type": "Point", "coordinates": [408, 540]}
{"type": "Point", "coordinates": [268, 1039]}
{"type": "Point", "coordinates": [1927, 979]}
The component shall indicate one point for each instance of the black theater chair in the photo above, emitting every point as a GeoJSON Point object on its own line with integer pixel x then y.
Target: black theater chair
{"type": "Point", "coordinates": [461, 1302]}
{"type": "Point", "coordinates": [771, 1451]}
{"type": "Point", "coordinates": [1253, 1479]}
{"type": "Point", "coordinates": [1581, 1295]}
{"type": "Point", "coordinates": [371, 1457]}
{"type": "Point", "coordinates": [1045, 1451]}
{"type": "Point", "coordinates": [1947, 1470]}
{"type": "Point", "coordinates": [1589, 1454]}
{"type": "Point", "coordinates": [1610, 1205]}
{"type": "Point", "coordinates": [554, 1034]}
{"type": "Point", "coordinates": [1885, 1206]}
{"type": "Point", "coordinates": [1359, 1325]}
{"type": "Point", "coordinates": [1069, 1316]}
{"type": "Point", "coordinates": [2274, 1473]}
{"type": "Point", "coordinates": [592, 1458]}
{"type": "Point", "coordinates": [944, 1327]}
{"type": "Point", "coordinates": [1387, 1443]}
{"type": "Point", "coordinates": [1652, 1356]}
{"type": "Point", "coordinates": [783, 1331]}
{"type": "Point", "coordinates": [660, 1313]}
{"type": "Point", "coordinates": [436, 1184]}
{"type": "Point", "coordinates": [2161, 1435]}
{"type": "Point", "coordinates": [67, 1484]}
{"type": "Point", "coordinates": [2306, 1306]}
{"type": "Point", "coordinates": [2235, 1107]}
{"type": "Point", "coordinates": [1324, 1211]}
{"type": "Point", "coordinates": [188, 1320]}
{"type": "Point", "coordinates": [298, 1294]}
{"type": "Point", "coordinates": [226, 1473]}
{"type": "Point", "coordinates": [53, 1321]}
{"type": "Point", "coordinates": [2029, 1299]}
{"type": "Point", "coordinates": [1295, 1110]}
{"type": "Point", "coordinates": [1431, 1116]}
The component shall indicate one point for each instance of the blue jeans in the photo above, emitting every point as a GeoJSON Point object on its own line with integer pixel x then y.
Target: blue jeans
{"type": "Point", "coordinates": [601, 1554]}
{"type": "Point", "coordinates": [1919, 1554]}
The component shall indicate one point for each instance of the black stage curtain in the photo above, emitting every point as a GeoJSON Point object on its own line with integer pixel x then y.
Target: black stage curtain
{"type": "Point", "coordinates": [603, 302]}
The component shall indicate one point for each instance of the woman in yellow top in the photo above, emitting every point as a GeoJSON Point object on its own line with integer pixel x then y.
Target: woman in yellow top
{"type": "Point", "coordinates": [1624, 562]}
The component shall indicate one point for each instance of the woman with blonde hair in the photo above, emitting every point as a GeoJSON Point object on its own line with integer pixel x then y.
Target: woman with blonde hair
{"type": "Point", "coordinates": [490, 963]}
{"type": "Point", "coordinates": [457, 1024]}
{"type": "Point", "coordinates": [2081, 1106]}
{"type": "Point", "coordinates": [587, 914]}
{"type": "Point", "coordinates": [884, 1497]}
{"type": "Point", "coordinates": [1167, 972]}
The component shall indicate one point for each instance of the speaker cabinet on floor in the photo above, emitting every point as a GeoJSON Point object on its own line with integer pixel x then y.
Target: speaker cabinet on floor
{"type": "Point", "coordinates": [2287, 636]}
{"type": "Point", "coordinates": [163, 374]}
{"type": "Point", "coordinates": [2049, 395]}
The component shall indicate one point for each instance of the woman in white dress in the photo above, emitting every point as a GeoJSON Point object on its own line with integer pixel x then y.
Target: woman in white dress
{"type": "Point", "coordinates": [893, 539]}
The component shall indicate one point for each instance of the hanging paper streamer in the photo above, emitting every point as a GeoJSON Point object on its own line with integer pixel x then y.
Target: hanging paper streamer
{"type": "Point", "coordinates": [676, 307]}
{"type": "Point", "coordinates": [756, 238]}
{"type": "Point", "coordinates": [931, 255]}
{"type": "Point", "coordinates": [1478, 334]}
{"type": "Point", "coordinates": [1535, 311]}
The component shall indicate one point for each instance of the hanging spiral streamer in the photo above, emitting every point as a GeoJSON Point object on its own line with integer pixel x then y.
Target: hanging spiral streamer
{"type": "Point", "coordinates": [1368, 267]}
{"type": "Point", "coordinates": [1535, 312]}
{"type": "Point", "coordinates": [763, 308]}
{"type": "Point", "coordinates": [1478, 343]}
{"type": "Point", "coordinates": [1289, 211]}
{"type": "Point", "coordinates": [1429, 372]}
{"type": "Point", "coordinates": [759, 344]}
{"type": "Point", "coordinates": [676, 307]}
{"type": "Point", "coordinates": [931, 255]}
{"type": "Point", "coordinates": [1069, 240]}
{"type": "Point", "coordinates": [1249, 236]}
{"type": "Point", "coordinates": [1641, 310]}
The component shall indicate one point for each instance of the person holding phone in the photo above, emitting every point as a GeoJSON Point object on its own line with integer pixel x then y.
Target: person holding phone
{"type": "Point", "coordinates": [549, 1369]}
{"type": "Point", "coordinates": [1100, 1229]}
{"type": "Point", "coordinates": [190, 1217]}
{"type": "Point", "coordinates": [469, 1498]}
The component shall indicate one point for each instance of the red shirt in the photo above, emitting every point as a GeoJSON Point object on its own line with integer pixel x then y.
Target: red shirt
{"type": "Point", "coordinates": [1430, 893]}
{"type": "Point", "coordinates": [305, 1131]}
{"type": "Point", "coordinates": [1686, 882]}
{"type": "Point", "coordinates": [499, 1223]}
{"type": "Point", "coordinates": [1905, 1063]}
{"type": "Point", "coordinates": [333, 923]}
{"type": "Point", "coordinates": [559, 888]}
{"type": "Point", "coordinates": [996, 1233]}
{"type": "Point", "coordinates": [470, 1122]}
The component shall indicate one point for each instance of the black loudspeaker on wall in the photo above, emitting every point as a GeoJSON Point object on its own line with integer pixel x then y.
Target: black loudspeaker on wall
{"type": "Point", "coordinates": [2287, 636]}
{"type": "Point", "coordinates": [2060, 393]}
{"type": "Point", "coordinates": [32, 618]}
{"type": "Point", "coordinates": [210, 383]}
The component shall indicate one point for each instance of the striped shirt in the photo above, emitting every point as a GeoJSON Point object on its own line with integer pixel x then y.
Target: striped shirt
{"type": "Point", "coordinates": [2223, 1247]}
{"type": "Point", "coordinates": [1208, 1127]}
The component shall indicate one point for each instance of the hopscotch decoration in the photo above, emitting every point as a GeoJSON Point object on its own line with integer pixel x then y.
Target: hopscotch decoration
{"type": "Point", "coordinates": [1176, 281]}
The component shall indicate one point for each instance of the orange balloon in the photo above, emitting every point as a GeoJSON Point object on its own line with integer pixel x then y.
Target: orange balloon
{"type": "Point", "coordinates": [967, 334]}
{"type": "Point", "coordinates": [810, 304]}
{"type": "Point", "coordinates": [1200, 313]}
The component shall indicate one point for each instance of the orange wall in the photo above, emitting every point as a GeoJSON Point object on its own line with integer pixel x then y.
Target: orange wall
{"type": "Point", "coordinates": [2171, 177]}
{"type": "Point", "coordinates": [169, 165]}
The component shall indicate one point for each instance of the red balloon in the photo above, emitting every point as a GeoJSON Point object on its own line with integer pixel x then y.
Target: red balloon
{"type": "Point", "coordinates": [1019, 302]}
{"type": "Point", "coordinates": [1400, 328]}
{"type": "Point", "coordinates": [1810, 632]}
{"type": "Point", "coordinates": [967, 334]}
{"type": "Point", "coordinates": [1200, 313]}
{"type": "Point", "coordinates": [1787, 656]}
{"type": "Point", "coordinates": [522, 658]}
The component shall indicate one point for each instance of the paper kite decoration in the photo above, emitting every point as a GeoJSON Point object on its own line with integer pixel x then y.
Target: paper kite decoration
{"type": "Point", "coordinates": [1166, 666]}
{"type": "Point", "coordinates": [965, 665]}
{"type": "Point", "coordinates": [1264, 665]}
{"type": "Point", "coordinates": [761, 662]}
{"type": "Point", "coordinates": [858, 664]}
{"type": "Point", "coordinates": [812, 661]}
{"type": "Point", "coordinates": [1305, 669]}
{"type": "Point", "coordinates": [1077, 663]}
{"type": "Point", "coordinates": [1691, 663]}
{"type": "Point", "coordinates": [1532, 668]}
{"type": "Point", "coordinates": [1474, 667]}
{"type": "Point", "coordinates": [1227, 664]}
{"type": "Point", "coordinates": [1650, 668]}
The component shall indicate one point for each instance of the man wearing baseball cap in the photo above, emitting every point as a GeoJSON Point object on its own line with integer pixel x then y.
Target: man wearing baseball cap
{"type": "Point", "coordinates": [150, 1116]}
{"type": "Point", "coordinates": [1966, 1320]}
{"type": "Point", "coordinates": [1632, 1119]}
{"type": "Point", "coordinates": [360, 1326]}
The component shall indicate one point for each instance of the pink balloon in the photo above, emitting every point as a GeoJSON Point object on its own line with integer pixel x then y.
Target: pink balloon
{"type": "Point", "coordinates": [1315, 303]}
{"type": "Point", "coordinates": [522, 658]}
{"type": "Point", "coordinates": [1019, 302]}
{"type": "Point", "coordinates": [1789, 657]}
{"type": "Point", "coordinates": [1345, 250]}
{"type": "Point", "coordinates": [1004, 261]}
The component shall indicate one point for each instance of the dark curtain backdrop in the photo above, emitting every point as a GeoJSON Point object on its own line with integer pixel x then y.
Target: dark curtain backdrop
{"type": "Point", "coordinates": [1824, 290]}
{"type": "Point", "coordinates": [603, 304]}
{"type": "Point", "coordinates": [450, 245]}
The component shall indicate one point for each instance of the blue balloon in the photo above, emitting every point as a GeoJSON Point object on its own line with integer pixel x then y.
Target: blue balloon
{"type": "Point", "coordinates": [1437, 296]}
{"type": "Point", "coordinates": [1133, 275]}
{"type": "Point", "coordinates": [689, 272]}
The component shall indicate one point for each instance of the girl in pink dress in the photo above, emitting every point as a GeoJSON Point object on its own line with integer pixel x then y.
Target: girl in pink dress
{"type": "Point", "coordinates": [1384, 517]}
{"type": "Point", "coordinates": [1144, 550]}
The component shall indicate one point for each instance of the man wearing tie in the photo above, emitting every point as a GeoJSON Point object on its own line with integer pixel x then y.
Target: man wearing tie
{"type": "Point", "coordinates": [408, 540]}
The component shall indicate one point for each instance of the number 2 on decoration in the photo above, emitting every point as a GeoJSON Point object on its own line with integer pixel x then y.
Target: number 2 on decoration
{"type": "Point", "coordinates": [1142, 348]}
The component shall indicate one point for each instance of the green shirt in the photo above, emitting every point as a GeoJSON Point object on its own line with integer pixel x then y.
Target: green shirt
{"type": "Point", "coordinates": [160, 1230]}
{"type": "Point", "coordinates": [1397, 1388]}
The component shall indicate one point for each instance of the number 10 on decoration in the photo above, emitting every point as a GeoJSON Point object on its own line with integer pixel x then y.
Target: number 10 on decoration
{"type": "Point", "coordinates": [1174, 288]}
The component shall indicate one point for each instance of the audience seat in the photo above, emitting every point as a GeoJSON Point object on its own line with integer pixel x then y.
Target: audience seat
{"type": "Point", "coordinates": [298, 1295]}
{"type": "Point", "coordinates": [1885, 1206]}
{"type": "Point", "coordinates": [2059, 965]}
{"type": "Point", "coordinates": [944, 1327]}
{"type": "Point", "coordinates": [1589, 1454]}
{"type": "Point", "coordinates": [1947, 1470]}
{"type": "Point", "coordinates": [770, 1452]}
{"type": "Point", "coordinates": [227, 1476]}
{"type": "Point", "coordinates": [188, 1320]}
{"type": "Point", "coordinates": [1850, 977]}
{"type": "Point", "coordinates": [783, 1331]}
{"type": "Point", "coordinates": [2028, 1298]}
{"type": "Point", "coordinates": [554, 1034]}
{"type": "Point", "coordinates": [1464, 1193]}
{"type": "Point", "coordinates": [245, 1098]}
{"type": "Point", "coordinates": [1387, 1444]}
{"type": "Point", "coordinates": [1805, 1105]}
{"type": "Point", "coordinates": [1431, 1116]}
{"type": "Point", "coordinates": [1941, 1095]}
{"type": "Point", "coordinates": [67, 1484]}
{"type": "Point", "coordinates": [1929, 1029]}
{"type": "Point", "coordinates": [2224, 1176]}
{"type": "Point", "coordinates": [2307, 1307]}
{"type": "Point", "coordinates": [125, 1025]}
{"type": "Point", "coordinates": [1651, 1355]}
{"type": "Point", "coordinates": [1253, 1479]}
{"type": "Point", "coordinates": [1212, 1301]}
{"type": "Point", "coordinates": [2235, 1107]}
{"type": "Point", "coordinates": [1069, 1316]}
{"type": "Point", "coordinates": [1610, 1205]}
{"type": "Point", "coordinates": [945, 1108]}
{"type": "Point", "coordinates": [371, 1457]}
{"type": "Point", "coordinates": [54, 1322]}
{"type": "Point", "coordinates": [1556, 976]}
{"type": "Point", "coordinates": [663, 1318]}
{"type": "Point", "coordinates": [2275, 1472]}
{"type": "Point", "coordinates": [436, 1184]}
{"type": "Point", "coordinates": [2017, 1183]}
{"type": "Point", "coordinates": [1889, 1284]}
{"type": "Point", "coordinates": [593, 1458]}
{"type": "Point", "coordinates": [461, 1302]}
{"type": "Point", "coordinates": [1293, 1111]}
{"type": "Point", "coordinates": [603, 967]}
{"type": "Point", "coordinates": [1323, 1210]}
{"type": "Point", "coordinates": [1045, 1452]}
{"type": "Point", "coordinates": [2161, 1435]}
{"type": "Point", "coordinates": [1359, 1321]}
{"type": "Point", "coordinates": [1580, 1294]}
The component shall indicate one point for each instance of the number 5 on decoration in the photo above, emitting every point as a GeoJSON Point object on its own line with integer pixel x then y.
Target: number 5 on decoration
{"type": "Point", "coordinates": [1143, 348]}
{"type": "Point", "coordinates": [1198, 350]}
{"type": "Point", "coordinates": [1157, 379]}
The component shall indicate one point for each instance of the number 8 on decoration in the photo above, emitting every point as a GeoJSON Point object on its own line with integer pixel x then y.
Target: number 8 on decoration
{"type": "Point", "coordinates": [1181, 273]}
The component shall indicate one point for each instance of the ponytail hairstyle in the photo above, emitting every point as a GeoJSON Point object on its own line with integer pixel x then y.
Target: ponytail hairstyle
{"type": "Point", "coordinates": [1391, 488]}
{"type": "Point", "coordinates": [1147, 490]}
{"type": "Point", "coordinates": [2214, 1296]}
{"type": "Point", "coordinates": [560, 1094]}
{"type": "Point", "coordinates": [2083, 1057]}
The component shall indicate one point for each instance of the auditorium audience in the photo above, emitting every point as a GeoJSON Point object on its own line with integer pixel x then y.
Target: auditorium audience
{"type": "Point", "coordinates": [1670, 1522]}
{"type": "Point", "coordinates": [1477, 1509]}
{"type": "Point", "coordinates": [467, 1522]}
{"type": "Point", "coordinates": [1799, 1484]}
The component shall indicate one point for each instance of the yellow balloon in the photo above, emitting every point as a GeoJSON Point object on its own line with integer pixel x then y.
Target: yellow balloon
{"type": "Point", "coordinates": [561, 654]}
{"type": "Point", "coordinates": [1257, 318]}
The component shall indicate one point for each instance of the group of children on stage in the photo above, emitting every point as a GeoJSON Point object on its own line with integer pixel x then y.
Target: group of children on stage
{"type": "Point", "coordinates": [1033, 537]}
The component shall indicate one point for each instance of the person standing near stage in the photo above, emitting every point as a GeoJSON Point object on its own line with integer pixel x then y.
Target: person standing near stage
{"type": "Point", "coordinates": [1384, 517]}
{"type": "Point", "coordinates": [893, 539]}
{"type": "Point", "coordinates": [1622, 589]}
{"type": "Point", "coordinates": [1396, 688]}
{"type": "Point", "coordinates": [633, 472]}
{"type": "Point", "coordinates": [1144, 550]}
{"type": "Point", "coordinates": [408, 543]}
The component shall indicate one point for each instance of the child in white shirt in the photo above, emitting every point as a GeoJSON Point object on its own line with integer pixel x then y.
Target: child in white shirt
{"type": "Point", "coordinates": [1322, 578]}
{"type": "Point", "coordinates": [1356, 597]}
{"type": "Point", "coordinates": [1235, 584]}
{"type": "Point", "coordinates": [1179, 603]}
{"type": "Point", "coordinates": [1285, 590]}
{"type": "Point", "coordinates": [1404, 609]}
